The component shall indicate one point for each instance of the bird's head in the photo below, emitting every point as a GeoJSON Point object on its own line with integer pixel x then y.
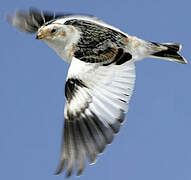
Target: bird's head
{"type": "Point", "coordinates": [52, 31]}
{"type": "Point", "coordinates": [60, 37]}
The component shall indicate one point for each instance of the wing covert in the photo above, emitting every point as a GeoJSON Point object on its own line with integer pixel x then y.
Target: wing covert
{"type": "Point", "coordinates": [98, 43]}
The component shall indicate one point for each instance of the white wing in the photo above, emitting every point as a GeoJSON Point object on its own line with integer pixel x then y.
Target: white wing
{"type": "Point", "coordinates": [97, 100]}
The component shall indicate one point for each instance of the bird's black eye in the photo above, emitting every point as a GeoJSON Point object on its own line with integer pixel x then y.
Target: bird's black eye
{"type": "Point", "coordinates": [53, 30]}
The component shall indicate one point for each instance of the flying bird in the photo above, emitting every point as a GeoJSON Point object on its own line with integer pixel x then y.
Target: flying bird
{"type": "Point", "coordinates": [100, 79]}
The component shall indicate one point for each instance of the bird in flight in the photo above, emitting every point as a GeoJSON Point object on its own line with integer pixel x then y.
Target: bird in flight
{"type": "Point", "coordinates": [100, 79]}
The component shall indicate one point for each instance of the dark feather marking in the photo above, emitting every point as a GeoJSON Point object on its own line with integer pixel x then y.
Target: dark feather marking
{"type": "Point", "coordinates": [31, 21]}
{"type": "Point", "coordinates": [115, 126]}
{"type": "Point", "coordinates": [171, 52]}
{"type": "Point", "coordinates": [92, 134]}
{"type": "Point", "coordinates": [122, 116]}
{"type": "Point", "coordinates": [172, 46]}
{"type": "Point", "coordinates": [117, 57]}
{"type": "Point", "coordinates": [123, 100]}
{"type": "Point", "coordinates": [96, 41]}
{"type": "Point", "coordinates": [90, 149]}
{"type": "Point", "coordinates": [126, 94]}
{"type": "Point", "coordinates": [104, 128]}
{"type": "Point", "coordinates": [36, 14]}
{"type": "Point", "coordinates": [64, 145]}
{"type": "Point", "coordinates": [71, 149]}
{"type": "Point", "coordinates": [80, 151]}
{"type": "Point", "coordinates": [126, 57]}
{"type": "Point", "coordinates": [72, 86]}
{"type": "Point", "coordinates": [156, 44]}
{"type": "Point", "coordinates": [45, 17]}
{"type": "Point", "coordinates": [168, 54]}
{"type": "Point", "coordinates": [120, 58]}
{"type": "Point", "coordinates": [100, 143]}
{"type": "Point", "coordinates": [119, 54]}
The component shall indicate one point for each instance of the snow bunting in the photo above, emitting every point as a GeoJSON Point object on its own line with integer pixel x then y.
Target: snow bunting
{"type": "Point", "coordinates": [100, 79]}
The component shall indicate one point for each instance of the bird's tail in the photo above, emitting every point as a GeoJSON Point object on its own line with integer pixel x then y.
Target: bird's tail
{"type": "Point", "coordinates": [168, 51]}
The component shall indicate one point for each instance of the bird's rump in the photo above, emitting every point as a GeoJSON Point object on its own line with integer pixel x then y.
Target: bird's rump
{"type": "Point", "coordinates": [94, 112]}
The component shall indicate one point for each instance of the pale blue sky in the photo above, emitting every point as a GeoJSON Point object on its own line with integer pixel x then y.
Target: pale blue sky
{"type": "Point", "coordinates": [154, 142]}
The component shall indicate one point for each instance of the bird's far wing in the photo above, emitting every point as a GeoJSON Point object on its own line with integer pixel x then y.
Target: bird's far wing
{"type": "Point", "coordinates": [97, 99]}
{"type": "Point", "coordinates": [31, 21]}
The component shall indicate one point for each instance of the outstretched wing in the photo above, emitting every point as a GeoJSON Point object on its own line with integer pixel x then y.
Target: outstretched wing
{"type": "Point", "coordinates": [97, 99]}
{"type": "Point", "coordinates": [31, 21]}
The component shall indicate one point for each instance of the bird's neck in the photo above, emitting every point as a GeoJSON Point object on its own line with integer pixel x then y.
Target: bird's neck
{"type": "Point", "coordinates": [65, 47]}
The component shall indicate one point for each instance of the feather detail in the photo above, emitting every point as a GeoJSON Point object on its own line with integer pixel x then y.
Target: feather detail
{"type": "Point", "coordinates": [97, 100]}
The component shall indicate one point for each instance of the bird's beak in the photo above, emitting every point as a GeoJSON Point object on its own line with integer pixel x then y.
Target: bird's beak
{"type": "Point", "coordinates": [37, 36]}
{"type": "Point", "coordinates": [40, 35]}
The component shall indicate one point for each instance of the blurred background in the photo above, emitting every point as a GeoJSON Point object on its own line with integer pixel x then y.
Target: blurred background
{"type": "Point", "coordinates": [154, 142]}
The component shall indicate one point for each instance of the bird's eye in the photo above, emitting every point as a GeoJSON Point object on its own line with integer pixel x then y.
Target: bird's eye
{"type": "Point", "coordinates": [53, 30]}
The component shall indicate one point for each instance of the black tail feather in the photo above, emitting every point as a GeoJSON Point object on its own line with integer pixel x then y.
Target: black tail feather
{"type": "Point", "coordinates": [170, 52]}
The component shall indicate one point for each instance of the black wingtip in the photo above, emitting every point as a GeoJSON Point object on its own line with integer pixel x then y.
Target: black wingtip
{"type": "Point", "coordinates": [69, 174]}
{"type": "Point", "coordinates": [79, 173]}
{"type": "Point", "coordinates": [60, 168]}
{"type": "Point", "coordinates": [170, 51]}
{"type": "Point", "coordinates": [57, 172]}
